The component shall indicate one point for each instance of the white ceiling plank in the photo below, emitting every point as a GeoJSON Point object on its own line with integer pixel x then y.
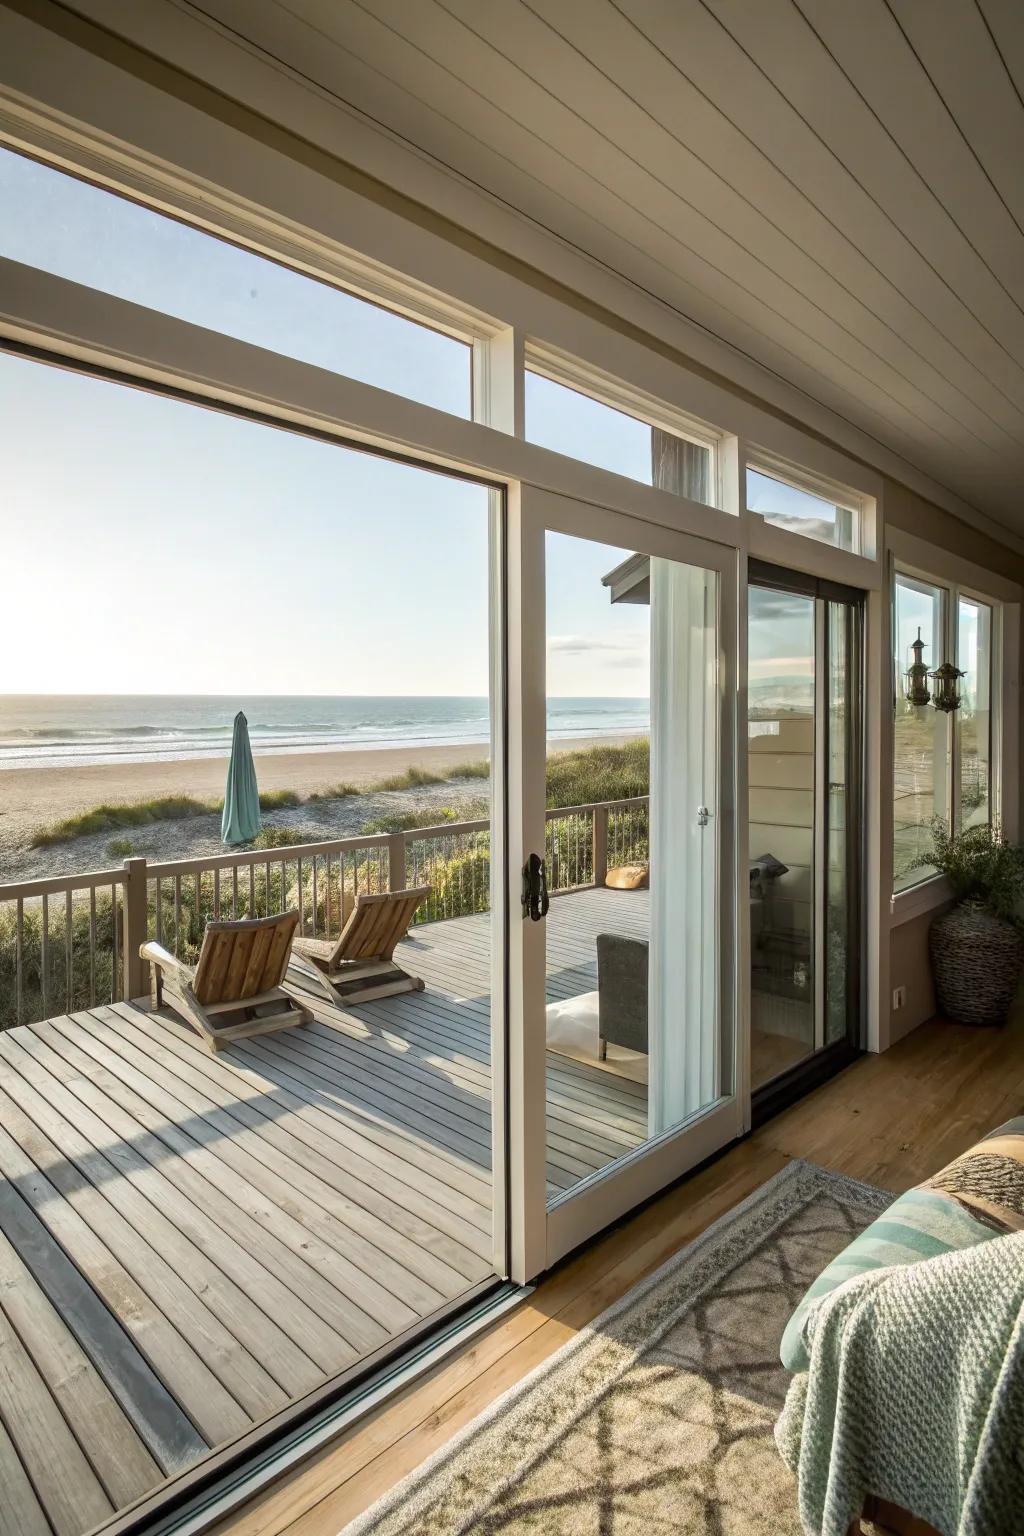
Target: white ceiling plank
{"type": "Point", "coordinates": [338, 31]}
{"type": "Point", "coordinates": [760, 208]}
{"type": "Point", "coordinates": [783, 45]}
{"type": "Point", "coordinates": [873, 50]}
{"type": "Point", "coordinates": [1005, 21]}
{"type": "Point", "coordinates": [957, 49]}
{"type": "Point", "coordinates": [701, 48]}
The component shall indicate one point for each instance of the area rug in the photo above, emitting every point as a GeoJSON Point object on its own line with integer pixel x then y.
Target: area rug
{"type": "Point", "coordinates": [658, 1417]}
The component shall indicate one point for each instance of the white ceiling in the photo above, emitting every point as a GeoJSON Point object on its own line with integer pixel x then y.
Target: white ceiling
{"type": "Point", "coordinates": [835, 188]}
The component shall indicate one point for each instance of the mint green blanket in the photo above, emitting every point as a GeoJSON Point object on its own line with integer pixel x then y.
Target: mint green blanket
{"type": "Point", "coordinates": [915, 1393]}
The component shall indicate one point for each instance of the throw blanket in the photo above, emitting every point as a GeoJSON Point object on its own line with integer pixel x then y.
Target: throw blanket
{"type": "Point", "coordinates": [915, 1393]}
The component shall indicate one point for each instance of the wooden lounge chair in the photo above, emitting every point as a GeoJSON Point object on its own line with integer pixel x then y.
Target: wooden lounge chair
{"type": "Point", "coordinates": [235, 988]}
{"type": "Point", "coordinates": [358, 965]}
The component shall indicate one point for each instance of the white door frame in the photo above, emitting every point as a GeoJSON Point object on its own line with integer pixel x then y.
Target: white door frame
{"type": "Point", "coordinates": [541, 1236]}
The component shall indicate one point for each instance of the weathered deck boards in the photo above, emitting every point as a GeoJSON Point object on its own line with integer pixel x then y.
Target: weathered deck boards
{"type": "Point", "coordinates": [189, 1241]}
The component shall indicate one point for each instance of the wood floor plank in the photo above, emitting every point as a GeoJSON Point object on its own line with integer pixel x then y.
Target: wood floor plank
{"type": "Point", "coordinates": [21, 1513]}
{"type": "Point", "coordinates": [52, 1283]}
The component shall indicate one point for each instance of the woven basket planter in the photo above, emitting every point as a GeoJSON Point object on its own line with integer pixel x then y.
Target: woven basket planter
{"type": "Point", "coordinates": [976, 963]}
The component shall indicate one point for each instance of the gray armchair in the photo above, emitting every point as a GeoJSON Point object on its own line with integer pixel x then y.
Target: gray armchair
{"type": "Point", "coordinates": [622, 992]}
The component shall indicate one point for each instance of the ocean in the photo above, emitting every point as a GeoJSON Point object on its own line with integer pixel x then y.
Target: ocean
{"type": "Point", "coordinates": [48, 730]}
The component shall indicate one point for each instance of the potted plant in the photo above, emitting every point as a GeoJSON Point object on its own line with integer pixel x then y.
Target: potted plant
{"type": "Point", "coordinates": [977, 949]}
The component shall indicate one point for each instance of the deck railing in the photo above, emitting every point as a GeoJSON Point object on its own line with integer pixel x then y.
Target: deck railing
{"type": "Point", "coordinates": [72, 941]}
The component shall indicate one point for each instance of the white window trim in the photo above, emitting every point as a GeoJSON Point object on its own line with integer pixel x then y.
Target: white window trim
{"type": "Point", "coordinates": [910, 556]}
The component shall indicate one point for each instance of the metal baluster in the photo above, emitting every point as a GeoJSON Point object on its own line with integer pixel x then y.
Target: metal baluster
{"type": "Point", "coordinates": [45, 939]}
{"type": "Point", "coordinates": [92, 946]}
{"type": "Point", "coordinates": [177, 914]}
{"type": "Point", "coordinates": [116, 978]}
{"type": "Point", "coordinates": [216, 893]}
{"type": "Point", "coordinates": [159, 935]}
{"type": "Point", "coordinates": [234, 891]}
{"type": "Point", "coordinates": [314, 895]}
{"type": "Point", "coordinates": [19, 935]}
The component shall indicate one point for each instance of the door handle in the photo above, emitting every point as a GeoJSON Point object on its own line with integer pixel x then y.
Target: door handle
{"type": "Point", "coordinates": [536, 900]}
{"type": "Point", "coordinates": [703, 815]}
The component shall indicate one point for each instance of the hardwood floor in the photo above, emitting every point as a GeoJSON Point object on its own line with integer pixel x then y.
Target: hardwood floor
{"type": "Point", "coordinates": [888, 1119]}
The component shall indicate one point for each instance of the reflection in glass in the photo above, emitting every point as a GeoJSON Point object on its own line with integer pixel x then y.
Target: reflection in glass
{"type": "Point", "coordinates": [633, 1008]}
{"type": "Point", "coordinates": [973, 720]}
{"type": "Point", "coordinates": [839, 877]}
{"type": "Point", "coordinates": [920, 734]}
{"type": "Point", "coordinates": [575, 424]}
{"type": "Point", "coordinates": [781, 771]}
{"type": "Point", "coordinates": [799, 511]}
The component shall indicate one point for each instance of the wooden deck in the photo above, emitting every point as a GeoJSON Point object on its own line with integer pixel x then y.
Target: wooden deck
{"type": "Point", "coordinates": [188, 1241]}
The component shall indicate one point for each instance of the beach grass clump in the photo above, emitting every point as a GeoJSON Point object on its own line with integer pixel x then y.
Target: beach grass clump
{"type": "Point", "coordinates": [110, 818]}
{"type": "Point", "coordinates": [120, 848]}
{"type": "Point", "coordinates": [593, 774]}
{"type": "Point", "coordinates": [275, 799]}
{"type": "Point", "coordinates": [412, 778]}
{"type": "Point", "coordinates": [410, 821]}
{"type": "Point", "coordinates": [285, 837]}
{"type": "Point", "coordinates": [342, 791]}
{"type": "Point", "coordinates": [481, 769]}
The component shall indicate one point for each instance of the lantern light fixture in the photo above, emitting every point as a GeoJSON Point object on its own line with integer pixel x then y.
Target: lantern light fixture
{"type": "Point", "coordinates": [947, 692]}
{"type": "Point", "coordinates": [915, 687]}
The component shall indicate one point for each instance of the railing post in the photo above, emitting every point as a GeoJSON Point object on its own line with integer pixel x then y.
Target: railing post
{"type": "Point", "coordinates": [135, 927]}
{"type": "Point", "coordinates": [396, 861]}
{"type": "Point", "coordinates": [600, 843]}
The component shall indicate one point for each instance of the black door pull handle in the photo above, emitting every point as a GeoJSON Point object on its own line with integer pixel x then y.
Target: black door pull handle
{"type": "Point", "coordinates": [536, 900]}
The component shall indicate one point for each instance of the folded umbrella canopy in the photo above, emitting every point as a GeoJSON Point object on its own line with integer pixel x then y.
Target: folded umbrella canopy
{"type": "Point", "coordinates": [241, 819]}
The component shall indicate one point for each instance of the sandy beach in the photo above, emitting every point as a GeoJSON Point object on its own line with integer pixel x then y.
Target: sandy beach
{"type": "Point", "coordinates": [34, 797]}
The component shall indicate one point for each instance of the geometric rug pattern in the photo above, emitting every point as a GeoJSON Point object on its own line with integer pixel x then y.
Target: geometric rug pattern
{"type": "Point", "coordinates": [658, 1417]}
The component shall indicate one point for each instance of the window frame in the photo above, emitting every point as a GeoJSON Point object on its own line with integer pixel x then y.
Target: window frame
{"type": "Point", "coordinates": [832, 492]}
{"type": "Point", "coordinates": [931, 888]}
{"type": "Point", "coordinates": [605, 389]}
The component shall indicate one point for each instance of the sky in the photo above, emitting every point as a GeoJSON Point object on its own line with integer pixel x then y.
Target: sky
{"type": "Point", "coordinates": [164, 548]}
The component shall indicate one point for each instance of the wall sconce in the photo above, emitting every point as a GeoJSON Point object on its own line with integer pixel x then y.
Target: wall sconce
{"type": "Point", "coordinates": [947, 693]}
{"type": "Point", "coordinates": [915, 687]}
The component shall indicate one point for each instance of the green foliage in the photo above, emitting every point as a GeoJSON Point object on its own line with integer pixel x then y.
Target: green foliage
{"type": "Point", "coordinates": [599, 773]}
{"type": "Point", "coordinates": [274, 800]}
{"type": "Point", "coordinates": [340, 791]}
{"type": "Point", "coordinates": [412, 778]}
{"type": "Point", "coordinates": [120, 848]}
{"type": "Point", "coordinates": [981, 866]}
{"type": "Point", "coordinates": [108, 818]}
{"type": "Point", "coordinates": [409, 821]}
{"type": "Point", "coordinates": [64, 989]}
{"type": "Point", "coordinates": [478, 770]}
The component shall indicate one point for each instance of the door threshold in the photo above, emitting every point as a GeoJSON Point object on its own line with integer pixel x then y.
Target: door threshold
{"type": "Point", "coordinates": [211, 1493]}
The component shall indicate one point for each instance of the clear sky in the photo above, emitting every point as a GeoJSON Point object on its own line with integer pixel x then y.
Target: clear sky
{"type": "Point", "coordinates": [162, 548]}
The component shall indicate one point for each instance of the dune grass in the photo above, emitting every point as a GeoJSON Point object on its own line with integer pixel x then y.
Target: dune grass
{"type": "Point", "coordinates": [573, 778]}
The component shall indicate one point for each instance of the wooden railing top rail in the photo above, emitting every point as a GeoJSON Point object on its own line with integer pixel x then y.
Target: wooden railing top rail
{"type": "Point", "coordinates": [58, 885]}
{"type": "Point", "coordinates": [595, 805]}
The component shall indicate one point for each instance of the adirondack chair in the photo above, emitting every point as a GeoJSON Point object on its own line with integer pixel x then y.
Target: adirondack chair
{"type": "Point", "coordinates": [358, 965]}
{"type": "Point", "coordinates": [235, 988]}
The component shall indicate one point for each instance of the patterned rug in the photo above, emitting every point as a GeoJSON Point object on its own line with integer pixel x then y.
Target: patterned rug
{"type": "Point", "coordinates": [658, 1417]}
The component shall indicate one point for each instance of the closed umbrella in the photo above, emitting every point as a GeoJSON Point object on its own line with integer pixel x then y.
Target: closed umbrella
{"type": "Point", "coordinates": [241, 819]}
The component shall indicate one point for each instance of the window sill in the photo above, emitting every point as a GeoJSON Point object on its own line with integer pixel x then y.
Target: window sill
{"type": "Point", "coordinates": [918, 900]}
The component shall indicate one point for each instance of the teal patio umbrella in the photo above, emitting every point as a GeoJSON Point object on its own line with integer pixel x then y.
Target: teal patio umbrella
{"type": "Point", "coordinates": [241, 819]}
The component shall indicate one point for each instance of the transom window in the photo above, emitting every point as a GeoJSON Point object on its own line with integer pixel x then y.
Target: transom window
{"type": "Point", "coordinates": [791, 499]}
{"type": "Point", "coordinates": [93, 236]}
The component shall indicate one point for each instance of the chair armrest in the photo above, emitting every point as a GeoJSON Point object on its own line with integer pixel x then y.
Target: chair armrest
{"type": "Point", "coordinates": [157, 955]}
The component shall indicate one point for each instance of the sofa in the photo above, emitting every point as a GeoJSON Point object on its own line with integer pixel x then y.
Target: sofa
{"type": "Point", "coordinates": [974, 1383]}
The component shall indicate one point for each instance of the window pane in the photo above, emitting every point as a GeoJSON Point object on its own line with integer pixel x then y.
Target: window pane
{"type": "Point", "coordinates": [583, 428]}
{"type": "Point", "coordinates": [798, 511]}
{"type": "Point", "coordinates": [974, 717]}
{"type": "Point", "coordinates": [91, 236]}
{"type": "Point", "coordinates": [920, 736]}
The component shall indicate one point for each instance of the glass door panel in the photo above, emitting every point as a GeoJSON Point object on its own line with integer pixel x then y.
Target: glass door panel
{"type": "Point", "coordinates": [637, 1026]}
{"type": "Point", "coordinates": [804, 777]}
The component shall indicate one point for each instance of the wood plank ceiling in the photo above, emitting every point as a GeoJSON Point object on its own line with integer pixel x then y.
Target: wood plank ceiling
{"type": "Point", "coordinates": [836, 189]}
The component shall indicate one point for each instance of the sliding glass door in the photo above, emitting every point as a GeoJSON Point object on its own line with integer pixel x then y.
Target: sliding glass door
{"type": "Point", "coordinates": [628, 1007]}
{"type": "Point", "coordinates": [804, 750]}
